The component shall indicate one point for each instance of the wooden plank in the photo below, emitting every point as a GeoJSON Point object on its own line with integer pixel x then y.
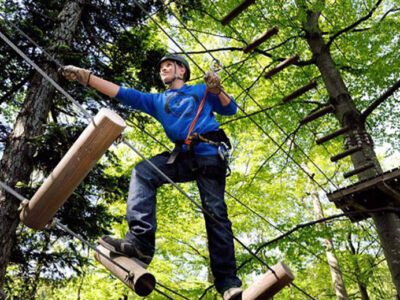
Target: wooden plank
{"type": "Point", "coordinates": [286, 63]}
{"type": "Point", "coordinates": [72, 169]}
{"type": "Point", "coordinates": [346, 153]}
{"type": "Point", "coordinates": [269, 284]}
{"type": "Point", "coordinates": [364, 185]}
{"type": "Point", "coordinates": [359, 170]}
{"type": "Point", "coordinates": [253, 45]}
{"type": "Point", "coordinates": [236, 11]}
{"type": "Point", "coordinates": [319, 113]}
{"type": "Point", "coordinates": [389, 191]}
{"type": "Point", "coordinates": [138, 279]}
{"type": "Point", "coordinates": [300, 91]}
{"type": "Point", "coordinates": [332, 135]}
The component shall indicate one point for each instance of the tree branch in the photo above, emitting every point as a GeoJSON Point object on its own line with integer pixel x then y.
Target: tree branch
{"type": "Point", "coordinates": [393, 10]}
{"type": "Point", "coordinates": [312, 223]}
{"type": "Point", "coordinates": [378, 101]}
{"type": "Point", "coordinates": [337, 34]}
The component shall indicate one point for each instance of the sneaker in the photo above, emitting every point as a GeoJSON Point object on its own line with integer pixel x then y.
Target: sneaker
{"type": "Point", "coordinates": [233, 293]}
{"type": "Point", "coordinates": [125, 248]}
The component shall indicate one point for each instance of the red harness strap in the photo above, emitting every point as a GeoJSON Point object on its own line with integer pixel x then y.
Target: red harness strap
{"type": "Point", "coordinates": [188, 140]}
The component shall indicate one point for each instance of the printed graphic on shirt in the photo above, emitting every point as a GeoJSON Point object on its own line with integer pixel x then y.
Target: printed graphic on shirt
{"type": "Point", "coordinates": [181, 105]}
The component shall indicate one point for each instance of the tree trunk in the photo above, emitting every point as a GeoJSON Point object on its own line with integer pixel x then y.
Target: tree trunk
{"type": "Point", "coordinates": [387, 224]}
{"type": "Point", "coordinates": [336, 273]}
{"type": "Point", "coordinates": [16, 165]}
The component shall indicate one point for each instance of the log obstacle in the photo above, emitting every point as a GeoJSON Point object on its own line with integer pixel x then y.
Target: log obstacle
{"type": "Point", "coordinates": [319, 113]}
{"type": "Point", "coordinates": [284, 64]}
{"type": "Point", "coordinates": [236, 11]}
{"type": "Point", "coordinates": [332, 135]}
{"type": "Point", "coordinates": [313, 84]}
{"type": "Point", "coordinates": [257, 42]}
{"type": "Point", "coordinates": [346, 153]}
{"type": "Point", "coordinates": [269, 284]}
{"type": "Point", "coordinates": [363, 168]}
{"type": "Point", "coordinates": [138, 279]}
{"type": "Point", "coordinates": [104, 128]}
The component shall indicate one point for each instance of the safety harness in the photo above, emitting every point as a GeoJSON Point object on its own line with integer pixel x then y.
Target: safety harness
{"type": "Point", "coordinates": [216, 138]}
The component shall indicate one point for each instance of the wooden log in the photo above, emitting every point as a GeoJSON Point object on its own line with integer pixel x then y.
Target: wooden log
{"type": "Point", "coordinates": [236, 11]}
{"type": "Point", "coordinates": [269, 284]}
{"type": "Point", "coordinates": [346, 153]}
{"type": "Point", "coordinates": [332, 135]}
{"type": "Point", "coordinates": [286, 63]}
{"type": "Point", "coordinates": [300, 91]}
{"type": "Point", "coordinates": [137, 278]}
{"type": "Point", "coordinates": [261, 39]}
{"type": "Point", "coordinates": [358, 170]}
{"type": "Point", "coordinates": [317, 114]}
{"type": "Point", "coordinates": [73, 168]}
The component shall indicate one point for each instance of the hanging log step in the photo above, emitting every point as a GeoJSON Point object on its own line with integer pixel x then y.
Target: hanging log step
{"type": "Point", "coordinates": [332, 135]}
{"type": "Point", "coordinates": [346, 153]}
{"type": "Point", "coordinates": [236, 11]}
{"type": "Point", "coordinates": [261, 39]}
{"type": "Point", "coordinates": [138, 279]}
{"type": "Point", "coordinates": [269, 284]}
{"type": "Point", "coordinates": [319, 113]}
{"type": "Point", "coordinates": [359, 170]}
{"type": "Point", "coordinates": [300, 91]}
{"type": "Point", "coordinates": [73, 168]}
{"type": "Point", "coordinates": [286, 63]}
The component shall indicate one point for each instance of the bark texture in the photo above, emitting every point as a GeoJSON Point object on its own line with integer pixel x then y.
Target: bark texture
{"type": "Point", "coordinates": [387, 224]}
{"type": "Point", "coordinates": [16, 164]}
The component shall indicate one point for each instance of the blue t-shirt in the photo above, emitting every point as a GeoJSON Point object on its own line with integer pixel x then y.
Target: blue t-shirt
{"type": "Point", "coordinates": [175, 109]}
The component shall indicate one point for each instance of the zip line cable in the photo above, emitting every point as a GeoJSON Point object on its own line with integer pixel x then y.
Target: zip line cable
{"type": "Point", "coordinates": [65, 228]}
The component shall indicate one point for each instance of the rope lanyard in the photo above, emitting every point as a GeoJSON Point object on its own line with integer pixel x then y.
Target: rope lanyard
{"type": "Point", "coordinates": [188, 139]}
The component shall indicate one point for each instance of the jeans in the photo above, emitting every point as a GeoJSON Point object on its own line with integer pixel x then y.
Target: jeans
{"type": "Point", "coordinates": [210, 178]}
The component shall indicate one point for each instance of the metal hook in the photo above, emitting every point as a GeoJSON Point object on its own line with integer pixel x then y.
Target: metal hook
{"type": "Point", "coordinates": [216, 66]}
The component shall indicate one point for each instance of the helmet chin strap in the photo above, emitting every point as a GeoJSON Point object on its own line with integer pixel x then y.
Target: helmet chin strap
{"type": "Point", "coordinates": [175, 76]}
